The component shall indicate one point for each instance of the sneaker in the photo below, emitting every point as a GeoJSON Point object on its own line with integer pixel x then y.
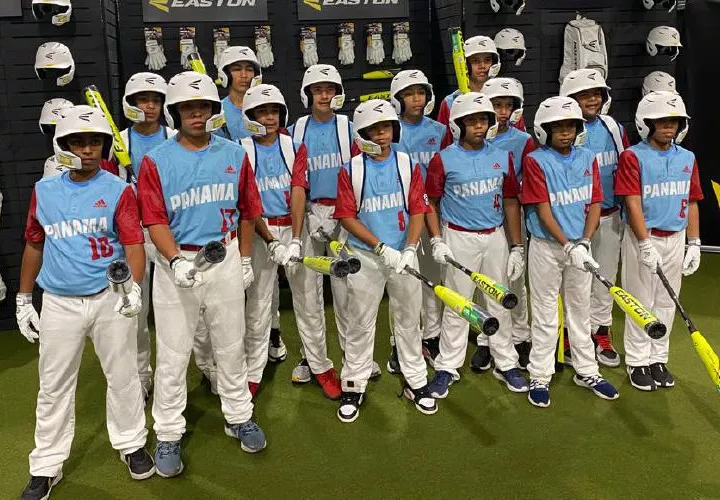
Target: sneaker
{"type": "Point", "coordinates": [375, 373]}
{"type": "Point", "coordinates": [482, 360]}
{"type": "Point", "coordinates": [251, 437]}
{"type": "Point", "coordinates": [566, 348]}
{"type": "Point", "coordinates": [523, 350]}
{"type": "Point", "coordinates": [604, 350]}
{"type": "Point", "coordinates": [168, 462]}
{"type": "Point", "coordinates": [254, 388]}
{"type": "Point", "coordinates": [601, 387]}
{"type": "Point", "coordinates": [277, 352]}
{"type": "Point", "coordinates": [431, 349]}
{"type": "Point", "coordinates": [424, 402]}
{"type": "Point", "coordinates": [139, 463]}
{"type": "Point", "coordinates": [661, 375]}
{"type": "Point", "coordinates": [301, 374]}
{"type": "Point", "coordinates": [439, 387]}
{"type": "Point", "coordinates": [350, 403]}
{"type": "Point", "coordinates": [393, 365]}
{"type": "Point", "coordinates": [513, 379]}
{"type": "Point", "coordinates": [330, 384]}
{"type": "Point", "coordinates": [39, 487]}
{"type": "Point", "coordinates": [641, 378]}
{"type": "Point", "coordinates": [539, 394]}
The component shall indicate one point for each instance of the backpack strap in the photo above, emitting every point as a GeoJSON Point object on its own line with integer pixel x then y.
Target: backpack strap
{"type": "Point", "coordinates": [249, 145]}
{"type": "Point", "coordinates": [357, 177]}
{"type": "Point", "coordinates": [300, 128]}
{"type": "Point", "coordinates": [614, 129]}
{"type": "Point", "coordinates": [344, 137]}
{"type": "Point", "coordinates": [404, 166]}
{"type": "Point", "coordinates": [287, 150]}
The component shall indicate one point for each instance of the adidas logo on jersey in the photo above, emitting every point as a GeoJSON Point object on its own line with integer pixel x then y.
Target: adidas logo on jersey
{"type": "Point", "coordinates": [587, 173]}
{"type": "Point", "coordinates": [497, 166]}
{"type": "Point", "coordinates": [687, 169]}
{"type": "Point", "coordinates": [100, 204]}
{"type": "Point", "coordinates": [230, 170]}
{"type": "Point", "coordinates": [432, 141]}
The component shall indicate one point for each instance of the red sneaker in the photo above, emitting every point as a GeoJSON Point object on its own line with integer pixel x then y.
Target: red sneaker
{"type": "Point", "coordinates": [254, 387]}
{"type": "Point", "coordinates": [330, 384]}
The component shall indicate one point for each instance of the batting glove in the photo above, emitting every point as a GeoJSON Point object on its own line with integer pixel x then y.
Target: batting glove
{"type": "Point", "coordinates": [516, 263]}
{"type": "Point", "coordinates": [265, 55]}
{"type": "Point", "coordinates": [187, 47]}
{"type": "Point", "coordinates": [310, 55]}
{"type": "Point", "coordinates": [408, 257]}
{"type": "Point", "coordinates": [440, 250]}
{"type": "Point", "coordinates": [692, 257]}
{"type": "Point", "coordinates": [649, 255]}
{"type": "Point", "coordinates": [219, 47]}
{"type": "Point", "coordinates": [389, 256]}
{"type": "Point", "coordinates": [134, 302]}
{"type": "Point", "coordinates": [315, 224]}
{"type": "Point", "coordinates": [155, 59]}
{"type": "Point", "coordinates": [293, 252]}
{"type": "Point", "coordinates": [27, 317]}
{"type": "Point", "coordinates": [183, 278]}
{"type": "Point", "coordinates": [277, 251]}
{"type": "Point", "coordinates": [346, 56]}
{"type": "Point", "coordinates": [375, 49]}
{"type": "Point", "coordinates": [401, 50]}
{"type": "Point", "coordinates": [247, 272]}
{"type": "Point", "coordinates": [580, 256]}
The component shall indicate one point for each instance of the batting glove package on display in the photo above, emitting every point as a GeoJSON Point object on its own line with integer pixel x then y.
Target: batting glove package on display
{"type": "Point", "coordinates": [346, 44]}
{"type": "Point", "coordinates": [308, 45]}
{"type": "Point", "coordinates": [155, 59]}
{"type": "Point", "coordinates": [375, 47]}
{"type": "Point", "coordinates": [263, 47]}
{"type": "Point", "coordinates": [221, 40]}
{"type": "Point", "coordinates": [401, 43]}
{"type": "Point", "coordinates": [187, 45]}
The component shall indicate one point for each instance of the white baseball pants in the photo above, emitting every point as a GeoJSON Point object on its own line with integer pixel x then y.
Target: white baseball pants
{"type": "Point", "coordinates": [432, 307]}
{"type": "Point", "coordinates": [638, 280]}
{"type": "Point", "coordinates": [144, 350]}
{"type": "Point", "coordinates": [220, 301]}
{"type": "Point", "coordinates": [64, 324]}
{"type": "Point", "coordinates": [606, 251]}
{"type": "Point", "coordinates": [551, 275]}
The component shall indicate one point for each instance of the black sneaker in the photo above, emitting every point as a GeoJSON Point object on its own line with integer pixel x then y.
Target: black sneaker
{"type": "Point", "coordinates": [431, 349]}
{"type": "Point", "coordinates": [424, 402]}
{"type": "Point", "coordinates": [39, 487]}
{"type": "Point", "coordinates": [640, 378]}
{"type": "Point", "coordinates": [393, 365]}
{"type": "Point", "coordinates": [604, 349]}
{"type": "Point", "coordinates": [350, 403]}
{"type": "Point", "coordinates": [482, 360]}
{"type": "Point", "coordinates": [523, 350]}
{"type": "Point", "coordinates": [661, 375]}
{"type": "Point", "coordinates": [277, 352]}
{"type": "Point", "coordinates": [140, 464]}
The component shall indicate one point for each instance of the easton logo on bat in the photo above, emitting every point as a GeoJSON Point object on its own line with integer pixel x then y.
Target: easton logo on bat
{"type": "Point", "coordinates": [642, 313]}
{"type": "Point", "coordinates": [495, 292]}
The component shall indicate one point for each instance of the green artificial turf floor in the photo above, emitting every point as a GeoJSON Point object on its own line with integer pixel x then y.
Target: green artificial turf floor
{"type": "Point", "coordinates": [483, 443]}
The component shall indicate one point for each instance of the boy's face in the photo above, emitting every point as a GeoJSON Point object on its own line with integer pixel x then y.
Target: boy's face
{"type": "Point", "coordinates": [242, 74]}
{"type": "Point", "coordinates": [590, 102]}
{"type": "Point", "coordinates": [194, 116]}
{"type": "Point", "coordinates": [381, 134]}
{"type": "Point", "coordinates": [88, 146]}
{"type": "Point", "coordinates": [151, 103]}
{"type": "Point", "coordinates": [479, 65]}
{"type": "Point", "coordinates": [476, 126]}
{"type": "Point", "coordinates": [666, 129]}
{"type": "Point", "coordinates": [322, 93]}
{"type": "Point", "coordinates": [563, 133]}
{"type": "Point", "coordinates": [414, 99]}
{"type": "Point", "coordinates": [503, 109]}
{"type": "Point", "coordinates": [268, 115]}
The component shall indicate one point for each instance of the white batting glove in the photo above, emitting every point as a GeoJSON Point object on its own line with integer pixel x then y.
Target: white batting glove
{"type": "Point", "coordinates": [408, 257]}
{"type": "Point", "coordinates": [401, 49]}
{"type": "Point", "coordinates": [293, 252]}
{"type": "Point", "coordinates": [247, 272]}
{"type": "Point", "coordinates": [187, 47]}
{"type": "Point", "coordinates": [3, 290]}
{"type": "Point", "coordinates": [27, 317]}
{"type": "Point", "coordinates": [181, 267]}
{"type": "Point", "coordinates": [579, 255]}
{"type": "Point", "coordinates": [277, 251]}
{"type": "Point", "coordinates": [649, 255]}
{"type": "Point", "coordinates": [440, 250]}
{"type": "Point", "coordinates": [375, 49]}
{"type": "Point", "coordinates": [389, 256]}
{"type": "Point", "coordinates": [516, 263]}
{"type": "Point", "coordinates": [265, 55]}
{"type": "Point", "coordinates": [315, 224]}
{"type": "Point", "coordinates": [219, 47]}
{"type": "Point", "coordinates": [310, 55]}
{"type": "Point", "coordinates": [155, 59]}
{"type": "Point", "coordinates": [346, 56]}
{"type": "Point", "coordinates": [134, 302]}
{"type": "Point", "coordinates": [692, 257]}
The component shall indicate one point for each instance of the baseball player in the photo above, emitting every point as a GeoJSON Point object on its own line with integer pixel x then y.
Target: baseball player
{"type": "Point", "coordinates": [562, 193]}
{"type": "Point", "coordinates": [381, 204]}
{"type": "Point", "coordinates": [507, 97]}
{"type": "Point", "coordinates": [660, 186]}
{"type": "Point", "coordinates": [472, 186]}
{"type": "Point", "coordinates": [607, 139]}
{"type": "Point", "coordinates": [51, 112]}
{"type": "Point", "coordinates": [193, 190]}
{"type": "Point", "coordinates": [78, 223]}
{"type": "Point", "coordinates": [280, 166]}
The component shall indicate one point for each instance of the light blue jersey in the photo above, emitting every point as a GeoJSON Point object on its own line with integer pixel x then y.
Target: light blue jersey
{"type": "Point", "coordinates": [600, 141]}
{"type": "Point", "coordinates": [234, 122]}
{"type": "Point", "coordinates": [518, 143]}
{"type": "Point", "coordinates": [274, 178]}
{"type": "Point", "coordinates": [421, 141]}
{"type": "Point", "coordinates": [139, 145]}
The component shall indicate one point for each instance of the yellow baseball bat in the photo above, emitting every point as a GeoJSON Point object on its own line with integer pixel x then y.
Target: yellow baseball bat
{"type": "Point", "coordinates": [343, 251]}
{"type": "Point", "coordinates": [380, 74]}
{"type": "Point", "coordinates": [496, 291]}
{"type": "Point", "coordinates": [332, 266]}
{"type": "Point", "coordinates": [459, 62]}
{"type": "Point", "coordinates": [385, 95]}
{"type": "Point", "coordinates": [196, 63]}
{"type": "Point", "coordinates": [560, 365]}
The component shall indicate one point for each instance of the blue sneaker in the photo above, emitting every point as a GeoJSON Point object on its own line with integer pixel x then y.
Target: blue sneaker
{"type": "Point", "coordinates": [168, 462]}
{"type": "Point", "coordinates": [439, 386]}
{"type": "Point", "coordinates": [539, 394]}
{"type": "Point", "coordinates": [601, 387]}
{"type": "Point", "coordinates": [513, 379]}
{"type": "Point", "coordinates": [252, 438]}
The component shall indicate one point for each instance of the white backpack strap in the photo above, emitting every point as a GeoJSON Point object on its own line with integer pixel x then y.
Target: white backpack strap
{"type": "Point", "coordinates": [249, 146]}
{"type": "Point", "coordinates": [170, 132]}
{"type": "Point", "coordinates": [343, 133]}
{"type": "Point", "coordinates": [357, 177]}
{"type": "Point", "coordinates": [614, 130]}
{"type": "Point", "coordinates": [404, 165]}
{"type": "Point", "coordinates": [299, 129]}
{"type": "Point", "coordinates": [287, 149]}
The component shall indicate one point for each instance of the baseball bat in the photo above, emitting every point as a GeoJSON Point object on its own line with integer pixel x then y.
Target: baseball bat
{"type": "Point", "coordinates": [94, 98]}
{"type": "Point", "coordinates": [196, 63]}
{"type": "Point", "coordinates": [332, 266]}
{"type": "Point", "coordinates": [706, 353]}
{"type": "Point", "coordinates": [379, 74]}
{"type": "Point", "coordinates": [496, 291]}
{"type": "Point", "coordinates": [459, 62]}
{"type": "Point", "coordinates": [375, 95]}
{"type": "Point", "coordinates": [560, 363]}
{"type": "Point", "coordinates": [479, 319]}
{"type": "Point", "coordinates": [343, 251]}
{"type": "Point", "coordinates": [120, 279]}
{"type": "Point", "coordinates": [212, 253]}
{"type": "Point", "coordinates": [640, 315]}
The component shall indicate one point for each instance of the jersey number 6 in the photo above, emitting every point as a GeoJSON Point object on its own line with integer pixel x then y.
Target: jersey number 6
{"type": "Point", "coordinates": [100, 247]}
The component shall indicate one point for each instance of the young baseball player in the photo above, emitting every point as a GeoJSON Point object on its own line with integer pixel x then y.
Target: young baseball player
{"type": "Point", "coordinates": [660, 186]}
{"type": "Point", "coordinates": [562, 193]}
{"type": "Point", "coordinates": [507, 97]}
{"type": "Point", "coordinates": [193, 189]}
{"type": "Point", "coordinates": [411, 94]}
{"type": "Point", "coordinates": [280, 166]}
{"type": "Point", "coordinates": [51, 112]}
{"type": "Point", "coordinates": [381, 204]}
{"type": "Point", "coordinates": [78, 223]}
{"type": "Point", "coordinates": [472, 186]}
{"type": "Point", "coordinates": [607, 139]}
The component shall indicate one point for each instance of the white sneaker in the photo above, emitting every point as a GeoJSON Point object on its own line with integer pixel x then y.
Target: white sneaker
{"type": "Point", "coordinates": [301, 374]}
{"type": "Point", "coordinates": [376, 372]}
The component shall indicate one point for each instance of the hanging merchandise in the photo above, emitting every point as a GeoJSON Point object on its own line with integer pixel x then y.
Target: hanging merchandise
{"type": "Point", "coordinates": [511, 45]}
{"type": "Point", "coordinates": [516, 5]}
{"type": "Point", "coordinates": [187, 45]}
{"type": "Point", "coordinates": [658, 81]}
{"type": "Point", "coordinates": [60, 10]}
{"type": "Point", "coordinates": [584, 47]}
{"type": "Point", "coordinates": [51, 112]}
{"type": "Point", "coordinates": [375, 47]}
{"type": "Point", "coordinates": [665, 4]}
{"type": "Point", "coordinates": [401, 42]}
{"type": "Point", "coordinates": [663, 40]}
{"type": "Point", "coordinates": [54, 61]}
{"type": "Point", "coordinates": [155, 60]}
{"type": "Point", "coordinates": [263, 46]}
{"type": "Point", "coordinates": [221, 40]}
{"type": "Point", "coordinates": [308, 45]}
{"type": "Point", "coordinates": [346, 44]}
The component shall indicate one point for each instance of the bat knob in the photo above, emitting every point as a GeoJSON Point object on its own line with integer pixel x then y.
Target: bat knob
{"type": "Point", "coordinates": [340, 268]}
{"type": "Point", "coordinates": [215, 252]}
{"type": "Point", "coordinates": [118, 272]}
{"type": "Point", "coordinates": [509, 301]}
{"type": "Point", "coordinates": [656, 330]}
{"type": "Point", "coordinates": [490, 326]}
{"type": "Point", "coordinates": [354, 265]}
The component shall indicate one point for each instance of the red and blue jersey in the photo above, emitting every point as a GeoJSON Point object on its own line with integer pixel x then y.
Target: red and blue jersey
{"type": "Point", "coordinates": [601, 142]}
{"type": "Point", "coordinates": [421, 141]}
{"type": "Point", "coordinates": [517, 142]}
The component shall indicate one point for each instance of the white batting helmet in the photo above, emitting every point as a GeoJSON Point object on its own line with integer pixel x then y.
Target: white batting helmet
{"type": "Point", "coordinates": [470, 104]}
{"type": "Point", "coordinates": [51, 112]}
{"type": "Point", "coordinates": [322, 73]}
{"type": "Point", "coordinates": [557, 109]}
{"type": "Point", "coordinates": [658, 81]}
{"type": "Point", "coordinates": [663, 40]}
{"type": "Point", "coordinates": [506, 87]}
{"type": "Point", "coordinates": [408, 78]}
{"type": "Point", "coordinates": [661, 105]}
{"type": "Point", "coordinates": [80, 120]}
{"type": "Point", "coordinates": [483, 45]}
{"type": "Point", "coordinates": [368, 114]}
{"type": "Point", "coordinates": [516, 5]}
{"type": "Point", "coordinates": [238, 54]}
{"type": "Point", "coordinates": [665, 4]}
{"type": "Point", "coordinates": [141, 82]}
{"type": "Point", "coordinates": [192, 86]}
{"type": "Point", "coordinates": [586, 79]}
{"type": "Point", "coordinates": [60, 10]}
{"type": "Point", "coordinates": [256, 97]}
{"type": "Point", "coordinates": [511, 43]}
{"type": "Point", "coordinates": [53, 60]}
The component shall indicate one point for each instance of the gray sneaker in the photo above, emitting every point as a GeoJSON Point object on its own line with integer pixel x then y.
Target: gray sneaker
{"type": "Point", "coordinates": [168, 462]}
{"type": "Point", "coordinates": [251, 437]}
{"type": "Point", "coordinates": [301, 374]}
